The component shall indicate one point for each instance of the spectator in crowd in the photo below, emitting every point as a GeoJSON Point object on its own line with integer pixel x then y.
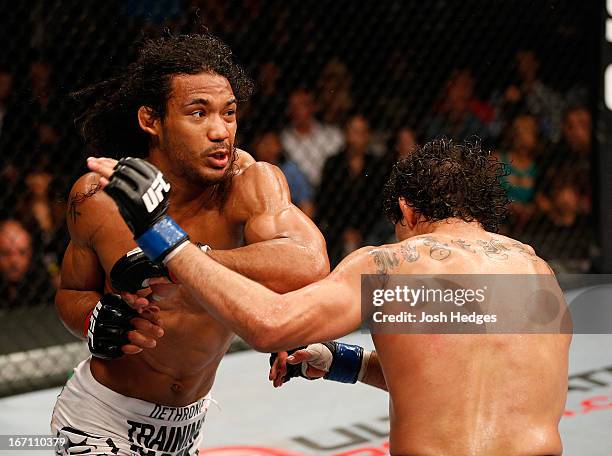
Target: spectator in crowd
{"type": "Point", "coordinates": [266, 109]}
{"type": "Point", "coordinates": [334, 92]}
{"type": "Point", "coordinates": [455, 114]}
{"type": "Point", "coordinates": [267, 147]}
{"type": "Point", "coordinates": [565, 196]}
{"type": "Point", "coordinates": [42, 209]}
{"type": "Point", "coordinates": [567, 177]}
{"type": "Point", "coordinates": [529, 93]}
{"type": "Point", "coordinates": [347, 201]}
{"type": "Point", "coordinates": [403, 142]}
{"type": "Point", "coordinates": [41, 87]}
{"type": "Point", "coordinates": [307, 141]}
{"type": "Point", "coordinates": [21, 281]}
{"type": "Point", "coordinates": [520, 152]}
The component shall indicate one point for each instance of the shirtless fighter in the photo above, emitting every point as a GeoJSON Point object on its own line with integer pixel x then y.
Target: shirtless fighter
{"type": "Point", "coordinates": [141, 394]}
{"type": "Point", "coordinates": [450, 394]}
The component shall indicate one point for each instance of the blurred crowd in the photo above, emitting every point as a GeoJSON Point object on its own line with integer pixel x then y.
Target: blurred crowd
{"type": "Point", "coordinates": [333, 135]}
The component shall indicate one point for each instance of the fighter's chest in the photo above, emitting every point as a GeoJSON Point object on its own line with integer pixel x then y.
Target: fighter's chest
{"type": "Point", "coordinates": [212, 227]}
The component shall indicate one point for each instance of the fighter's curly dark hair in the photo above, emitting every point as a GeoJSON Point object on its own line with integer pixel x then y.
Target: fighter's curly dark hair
{"type": "Point", "coordinates": [107, 111]}
{"type": "Point", "coordinates": [444, 179]}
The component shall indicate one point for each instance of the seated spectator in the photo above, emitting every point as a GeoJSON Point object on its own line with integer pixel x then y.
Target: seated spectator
{"type": "Point", "coordinates": [268, 148]}
{"type": "Point", "coordinates": [266, 108]}
{"type": "Point", "coordinates": [42, 209]}
{"type": "Point", "coordinates": [347, 201]}
{"type": "Point", "coordinates": [404, 143]}
{"type": "Point", "coordinates": [22, 280]}
{"type": "Point", "coordinates": [334, 92]}
{"type": "Point", "coordinates": [567, 179]}
{"type": "Point", "coordinates": [522, 148]}
{"type": "Point", "coordinates": [307, 141]}
{"type": "Point", "coordinates": [565, 198]}
{"type": "Point", "coordinates": [529, 93]}
{"type": "Point", "coordinates": [455, 114]}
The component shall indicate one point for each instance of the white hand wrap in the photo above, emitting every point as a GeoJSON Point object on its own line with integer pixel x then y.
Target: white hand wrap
{"type": "Point", "coordinates": [322, 358]}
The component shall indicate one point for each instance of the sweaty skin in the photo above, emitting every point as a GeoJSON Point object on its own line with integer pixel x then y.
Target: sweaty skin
{"type": "Point", "coordinates": [450, 394]}
{"type": "Point", "coordinates": [254, 230]}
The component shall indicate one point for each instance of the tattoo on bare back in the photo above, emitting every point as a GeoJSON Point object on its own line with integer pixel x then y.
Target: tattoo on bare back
{"type": "Point", "coordinates": [385, 259]}
{"type": "Point", "coordinates": [464, 245]}
{"type": "Point", "coordinates": [523, 251]}
{"type": "Point", "coordinates": [494, 249]}
{"type": "Point", "coordinates": [409, 252]}
{"type": "Point", "coordinates": [389, 258]}
{"type": "Point", "coordinates": [437, 250]}
{"type": "Point", "coordinates": [78, 198]}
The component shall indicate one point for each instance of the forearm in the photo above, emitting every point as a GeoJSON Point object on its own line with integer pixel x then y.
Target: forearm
{"type": "Point", "coordinates": [281, 265]}
{"type": "Point", "coordinates": [222, 293]}
{"type": "Point", "coordinates": [374, 375]}
{"type": "Point", "coordinates": [73, 306]}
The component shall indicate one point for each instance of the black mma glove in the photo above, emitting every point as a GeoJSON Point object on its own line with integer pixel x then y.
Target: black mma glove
{"type": "Point", "coordinates": [133, 271]}
{"type": "Point", "coordinates": [141, 194]}
{"type": "Point", "coordinates": [107, 325]}
{"type": "Point", "coordinates": [342, 362]}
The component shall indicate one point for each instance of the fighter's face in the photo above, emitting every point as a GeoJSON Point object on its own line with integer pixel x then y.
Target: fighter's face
{"type": "Point", "coordinates": [198, 131]}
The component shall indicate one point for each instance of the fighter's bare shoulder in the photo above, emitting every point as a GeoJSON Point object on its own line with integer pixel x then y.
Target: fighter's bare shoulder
{"type": "Point", "coordinates": [258, 185]}
{"type": "Point", "coordinates": [390, 258]}
{"type": "Point", "coordinates": [243, 160]}
{"type": "Point", "coordinates": [88, 207]}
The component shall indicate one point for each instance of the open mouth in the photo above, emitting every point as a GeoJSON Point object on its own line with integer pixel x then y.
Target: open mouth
{"type": "Point", "coordinates": [218, 159]}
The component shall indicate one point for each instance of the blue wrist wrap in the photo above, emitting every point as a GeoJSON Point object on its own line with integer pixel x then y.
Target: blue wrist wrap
{"type": "Point", "coordinates": [161, 238]}
{"type": "Point", "coordinates": [347, 363]}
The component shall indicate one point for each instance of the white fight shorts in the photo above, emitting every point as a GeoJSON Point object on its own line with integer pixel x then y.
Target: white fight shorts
{"type": "Point", "coordinates": [95, 420]}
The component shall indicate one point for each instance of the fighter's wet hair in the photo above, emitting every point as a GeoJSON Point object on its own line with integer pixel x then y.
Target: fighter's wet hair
{"type": "Point", "coordinates": [107, 113]}
{"type": "Point", "coordinates": [444, 179]}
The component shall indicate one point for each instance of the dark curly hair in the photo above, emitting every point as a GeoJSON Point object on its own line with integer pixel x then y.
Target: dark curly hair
{"type": "Point", "coordinates": [444, 179]}
{"type": "Point", "coordinates": [107, 113]}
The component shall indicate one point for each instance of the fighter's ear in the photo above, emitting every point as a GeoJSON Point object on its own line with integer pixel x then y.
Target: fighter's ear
{"type": "Point", "coordinates": [148, 120]}
{"type": "Point", "coordinates": [410, 216]}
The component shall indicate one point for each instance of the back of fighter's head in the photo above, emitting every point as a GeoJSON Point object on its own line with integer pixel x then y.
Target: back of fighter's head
{"type": "Point", "coordinates": [443, 179]}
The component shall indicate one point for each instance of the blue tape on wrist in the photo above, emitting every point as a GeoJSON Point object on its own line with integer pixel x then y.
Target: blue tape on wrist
{"type": "Point", "coordinates": [347, 363]}
{"type": "Point", "coordinates": [160, 238]}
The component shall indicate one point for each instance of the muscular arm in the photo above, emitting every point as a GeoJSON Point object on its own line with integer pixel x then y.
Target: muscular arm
{"type": "Point", "coordinates": [267, 320]}
{"type": "Point", "coordinates": [374, 375]}
{"type": "Point", "coordinates": [82, 276]}
{"type": "Point", "coordinates": [284, 250]}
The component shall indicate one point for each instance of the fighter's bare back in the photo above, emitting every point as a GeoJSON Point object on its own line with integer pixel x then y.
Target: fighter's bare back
{"type": "Point", "coordinates": [494, 394]}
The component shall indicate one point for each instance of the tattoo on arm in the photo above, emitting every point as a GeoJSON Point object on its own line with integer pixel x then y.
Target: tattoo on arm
{"type": "Point", "coordinates": [437, 250]}
{"type": "Point", "coordinates": [78, 198]}
{"type": "Point", "coordinates": [494, 249]}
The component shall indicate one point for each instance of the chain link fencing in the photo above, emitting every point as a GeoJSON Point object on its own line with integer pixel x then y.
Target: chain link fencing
{"type": "Point", "coordinates": [343, 89]}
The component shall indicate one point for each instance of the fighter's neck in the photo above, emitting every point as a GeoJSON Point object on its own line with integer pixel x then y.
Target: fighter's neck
{"type": "Point", "coordinates": [451, 227]}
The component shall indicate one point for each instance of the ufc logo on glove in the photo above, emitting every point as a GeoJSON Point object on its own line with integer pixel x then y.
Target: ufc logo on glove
{"type": "Point", "coordinates": [155, 193]}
